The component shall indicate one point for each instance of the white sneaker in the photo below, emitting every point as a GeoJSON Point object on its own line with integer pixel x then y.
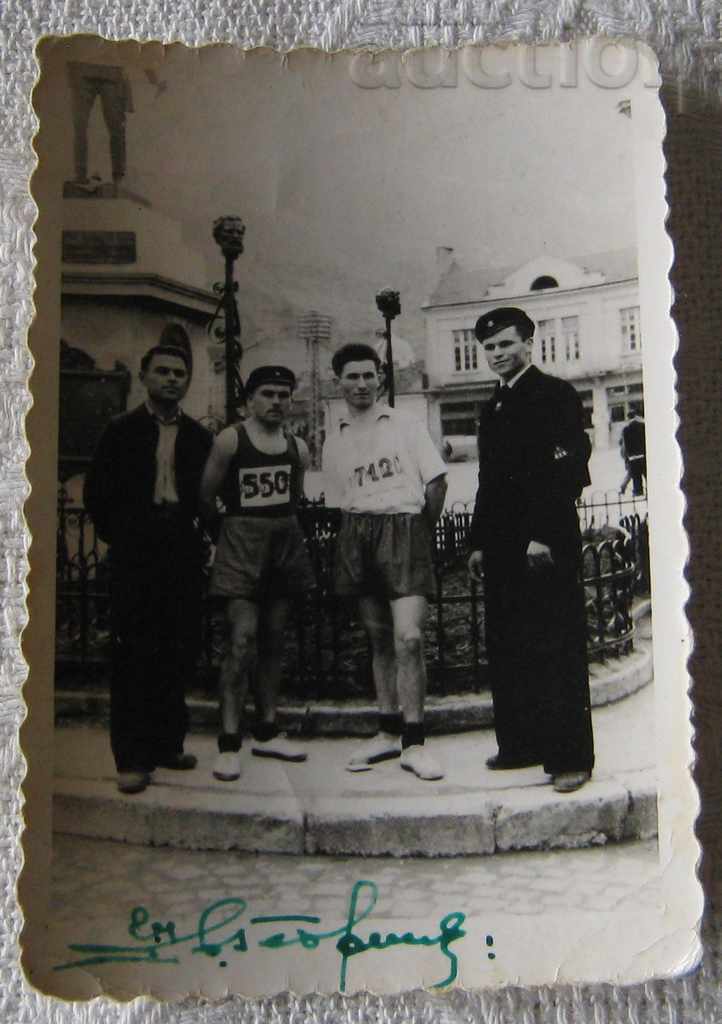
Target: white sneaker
{"type": "Point", "coordinates": [227, 766]}
{"type": "Point", "coordinates": [381, 747]}
{"type": "Point", "coordinates": [418, 760]}
{"type": "Point", "coordinates": [280, 748]}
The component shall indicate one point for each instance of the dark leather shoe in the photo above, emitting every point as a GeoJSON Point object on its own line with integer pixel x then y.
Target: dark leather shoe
{"type": "Point", "coordinates": [180, 762]}
{"type": "Point", "coordinates": [569, 782]}
{"type": "Point", "coordinates": [497, 763]}
{"type": "Point", "coordinates": [133, 782]}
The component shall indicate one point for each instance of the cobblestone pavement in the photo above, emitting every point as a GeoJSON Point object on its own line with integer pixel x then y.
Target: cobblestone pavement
{"type": "Point", "coordinates": [546, 915]}
{"type": "Point", "coordinates": [99, 881]}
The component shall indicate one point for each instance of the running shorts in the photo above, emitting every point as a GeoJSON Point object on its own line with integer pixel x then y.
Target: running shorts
{"type": "Point", "coordinates": [385, 555]}
{"type": "Point", "coordinates": [259, 559]}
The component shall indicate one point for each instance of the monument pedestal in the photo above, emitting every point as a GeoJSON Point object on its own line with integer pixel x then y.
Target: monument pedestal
{"type": "Point", "coordinates": [126, 272]}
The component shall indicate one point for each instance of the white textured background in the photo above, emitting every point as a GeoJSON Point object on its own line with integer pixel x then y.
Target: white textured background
{"type": "Point", "coordinates": [685, 36]}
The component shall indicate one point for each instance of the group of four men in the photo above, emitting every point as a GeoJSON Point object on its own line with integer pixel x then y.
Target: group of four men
{"type": "Point", "coordinates": [158, 479]}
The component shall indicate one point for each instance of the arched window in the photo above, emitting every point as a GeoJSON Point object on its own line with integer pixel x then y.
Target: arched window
{"type": "Point", "coordinates": [545, 281]}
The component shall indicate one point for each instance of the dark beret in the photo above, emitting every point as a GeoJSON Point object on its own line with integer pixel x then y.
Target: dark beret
{"type": "Point", "coordinates": [505, 316]}
{"type": "Point", "coordinates": [270, 375]}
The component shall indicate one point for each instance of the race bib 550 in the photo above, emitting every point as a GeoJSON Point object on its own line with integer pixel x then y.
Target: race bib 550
{"type": "Point", "coordinates": [264, 486]}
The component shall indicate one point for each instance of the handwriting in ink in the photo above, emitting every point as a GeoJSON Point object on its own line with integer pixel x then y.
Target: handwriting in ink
{"type": "Point", "coordinates": [219, 931]}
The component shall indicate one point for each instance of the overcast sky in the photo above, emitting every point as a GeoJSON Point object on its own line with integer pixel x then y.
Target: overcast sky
{"type": "Point", "coordinates": [346, 190]}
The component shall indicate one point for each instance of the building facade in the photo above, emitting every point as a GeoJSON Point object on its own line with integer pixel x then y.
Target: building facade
{"type": "Point", "coordinates": [588, 331]}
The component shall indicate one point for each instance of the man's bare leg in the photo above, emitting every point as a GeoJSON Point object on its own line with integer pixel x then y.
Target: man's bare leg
{"type": "Point", "coordinates": [376, 619]}
{"type": "Point", "coordinates": [408, 615]}
{"type": "Point", "coordinates": [242, 616]}
{"type": "Point", "coordinates": [377, 622]}
{"type": "Point", "coordinates": [271, 642]}
{"type": "Point", "coordinates": [267, 683]}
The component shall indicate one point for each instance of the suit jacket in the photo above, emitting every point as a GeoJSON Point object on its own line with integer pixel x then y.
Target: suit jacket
{"type": "Point", "coordinates": [119, 485]}
{"type": "Point", "coordinates": [533, 455]}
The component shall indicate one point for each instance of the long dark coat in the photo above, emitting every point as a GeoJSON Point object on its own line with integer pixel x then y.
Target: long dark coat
{"type": "Point", "coordinates": [156, 558]}
{"type": "Point", "coordinates": [533, 455]}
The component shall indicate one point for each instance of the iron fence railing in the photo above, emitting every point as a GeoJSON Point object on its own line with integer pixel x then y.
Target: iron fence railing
{"type": "Point", "coordinates": [326, 654]}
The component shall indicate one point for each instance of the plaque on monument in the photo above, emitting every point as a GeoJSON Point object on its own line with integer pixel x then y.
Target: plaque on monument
{"type": "Point", "coordinates": [99, 247]}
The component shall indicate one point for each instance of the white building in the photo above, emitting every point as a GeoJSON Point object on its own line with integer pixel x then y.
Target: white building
{"type": "Point", "coordinates": [588, 331]}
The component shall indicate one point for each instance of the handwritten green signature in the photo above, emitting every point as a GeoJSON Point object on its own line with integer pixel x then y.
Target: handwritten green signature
{"type": "Point", "coordinates": [220, 920]}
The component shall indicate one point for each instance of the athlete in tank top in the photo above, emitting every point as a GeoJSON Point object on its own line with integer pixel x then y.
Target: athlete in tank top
{"type": "Point", "coordinates": [261, 560]}
{"type": "Point", "coordinates": [262, 483]}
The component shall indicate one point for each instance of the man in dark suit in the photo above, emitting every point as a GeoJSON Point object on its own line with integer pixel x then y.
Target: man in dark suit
{"type": "Point", "coordinates": [142, 494]}
{"type": "Point", "coordinates": [525, 540]}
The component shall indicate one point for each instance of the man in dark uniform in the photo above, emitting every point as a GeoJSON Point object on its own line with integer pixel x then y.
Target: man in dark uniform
{"type": "Point", "coordinates": [142, 493]}
{"type": "Point", "coordinates": [525, 540]}
{"type": "Point", "coordinates": [261, 560]}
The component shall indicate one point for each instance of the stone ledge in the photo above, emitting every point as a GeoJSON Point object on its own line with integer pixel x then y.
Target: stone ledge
{"type": "Point", "coordinates": [170, 816]}
{"type": "Point", "coordinates": [613, 681]}
{"type": "Point", "coordinates": [437, 824]}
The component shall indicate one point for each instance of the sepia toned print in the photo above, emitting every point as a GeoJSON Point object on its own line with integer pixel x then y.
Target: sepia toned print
{"type": "Point", "coordinates": [361, 560]}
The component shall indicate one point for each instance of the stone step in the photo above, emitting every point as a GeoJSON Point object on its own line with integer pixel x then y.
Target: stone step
{"type": "Point", "coordinates": [612, 681]}
{"type": "Point", "coordinates": [316, 807]}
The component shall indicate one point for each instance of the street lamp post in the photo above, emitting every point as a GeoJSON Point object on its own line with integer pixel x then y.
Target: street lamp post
{"type": "Point", "coordinates": [228, 233]}
{"type": "Point", "coordinates": [388, 304]}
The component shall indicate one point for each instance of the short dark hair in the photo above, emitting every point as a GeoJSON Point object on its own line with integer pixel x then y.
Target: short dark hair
{"type": "Point", "coordinates": [354, 352]}
{"type": "Point", "coordinates": [504, 316]}
{"type": "Point", "coordinates": [173, 341]}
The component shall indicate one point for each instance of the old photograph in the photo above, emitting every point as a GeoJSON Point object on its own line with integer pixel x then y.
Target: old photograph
{"type": "Point", "coordinates": [368, 632]}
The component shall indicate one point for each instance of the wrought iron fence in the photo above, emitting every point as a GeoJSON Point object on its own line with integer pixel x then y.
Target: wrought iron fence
{"type": "Point", "coordinates": [326, 655]}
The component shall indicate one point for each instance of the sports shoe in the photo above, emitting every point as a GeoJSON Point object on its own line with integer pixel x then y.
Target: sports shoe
{"type": "Point", "coordinates": [418, 760]}
{"type": "Point", "coordinates": [133, 782]}
{"type": "Point", "coordinates": [280, 748]}
{"type": "Point", "coordinates": [381, 747]}
{"type": "Point", "coordinates": [567, 782]}
{"type": "Point", "coordinates": [227, 766]}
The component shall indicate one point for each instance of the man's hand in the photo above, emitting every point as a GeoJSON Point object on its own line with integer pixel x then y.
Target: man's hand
{"type": "Point", "coordinates": [475, 566]}
{"type": "Point", "coordinates": [538, 555]}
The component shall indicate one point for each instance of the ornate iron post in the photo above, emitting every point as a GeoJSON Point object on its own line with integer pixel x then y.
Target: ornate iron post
{"type": "Point", "coordinates": [388, 304]}
{"type": "Point", "coordinates": [228, 233]}
{"type": "Point", "coordinates": [313, 328]}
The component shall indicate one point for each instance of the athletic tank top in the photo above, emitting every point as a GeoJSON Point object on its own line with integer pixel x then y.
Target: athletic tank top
{"type": "Point", "coordinates": [258, 484]}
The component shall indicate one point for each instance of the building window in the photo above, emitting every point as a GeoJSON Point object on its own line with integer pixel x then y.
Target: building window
{"type": "Point", "coordinates": [545, 281]}
{"type": "Point", "coordinates": [623, 400]}
{"type": "Point", "coordinates": [570, 334]}
{"type": "Point", "coordinates": [548, 340]}
{"type": "Point", "coordinates": [587, 399]}
{"type": "Point", "coordinates": [466, 354]}
{"type": "Point", "coordinates": [630, 328]}
{"type": "Point", "coordinates": [459, 418]}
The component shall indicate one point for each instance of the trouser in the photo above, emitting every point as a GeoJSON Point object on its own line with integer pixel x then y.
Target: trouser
{"type": "Point", "coordinates": [536, 645]}
{"type": "Point", "coordinates": [156, 615]}
{"type": "Point", "coordinates": [638, 473]}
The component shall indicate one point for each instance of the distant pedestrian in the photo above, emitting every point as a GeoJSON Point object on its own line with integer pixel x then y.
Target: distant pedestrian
{"type": "Point", "coordinates": [635, 452]}
{"type": "Point", "coordinates": [526, 545]}
{"type": "Point", "coordinates": [141, 491]}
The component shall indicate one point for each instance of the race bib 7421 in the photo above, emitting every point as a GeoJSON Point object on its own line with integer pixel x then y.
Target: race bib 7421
{"type": "Point", "coordinates": [264, 486]}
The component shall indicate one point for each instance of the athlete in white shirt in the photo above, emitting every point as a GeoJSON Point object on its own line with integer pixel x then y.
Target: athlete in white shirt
{"type": "Point", "coordinates": [386, 475]}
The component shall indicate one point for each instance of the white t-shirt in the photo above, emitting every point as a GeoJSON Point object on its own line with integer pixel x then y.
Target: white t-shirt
{"type": "Point", "coordinates": [381, 466]}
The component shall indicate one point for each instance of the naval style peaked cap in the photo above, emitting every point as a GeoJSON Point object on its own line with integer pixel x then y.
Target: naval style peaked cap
{"type": "Point", "coordinates": [270, 375]}
{"type": "Point", "coordinates": [505, 316]}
